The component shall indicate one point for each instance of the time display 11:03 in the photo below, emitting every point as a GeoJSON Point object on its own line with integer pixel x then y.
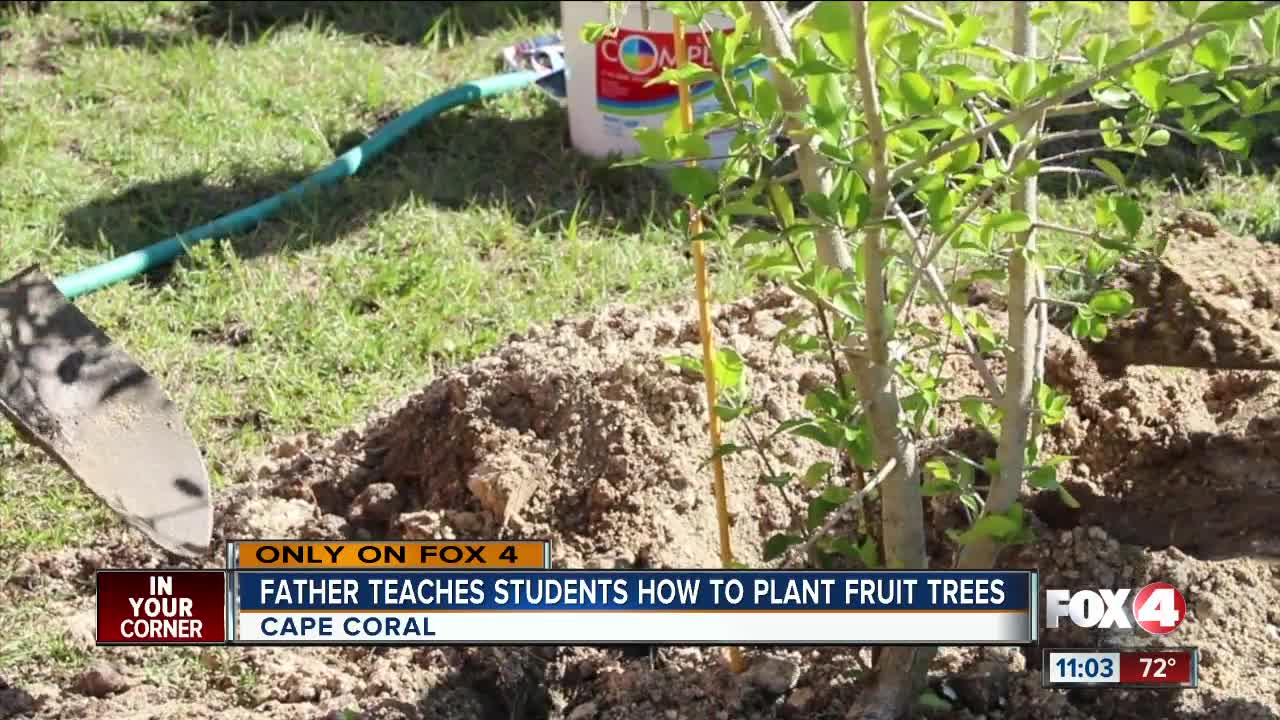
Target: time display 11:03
{"type": "Point", "coordinates": [1092, 667]}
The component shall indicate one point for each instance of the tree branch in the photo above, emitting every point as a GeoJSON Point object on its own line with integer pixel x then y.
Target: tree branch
{"type": "Point", "coordinates": [900, 670]}
{"type": "Point", "coordinates": [1035, 109]}
{"type": "Point", "coordinates": [836, 517]}
{"type": "Point", "coordinates": [936, 24]}
{"type": "Point", "coordinates": [815, 170]}
{"type": "Point", "coordinates": [940, 292]}
{"type": "Point", "coordinates": [1021, 358]}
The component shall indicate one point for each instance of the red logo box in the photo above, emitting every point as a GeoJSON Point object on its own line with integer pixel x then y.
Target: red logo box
{"type": "Point", "coordinates": [162, 607]}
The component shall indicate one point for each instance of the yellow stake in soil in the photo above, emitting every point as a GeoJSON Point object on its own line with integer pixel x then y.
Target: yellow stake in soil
{"type": "Point", "coordinates": [708, 339]}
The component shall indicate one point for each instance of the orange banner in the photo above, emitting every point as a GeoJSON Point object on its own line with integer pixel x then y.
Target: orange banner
{"type": "Point", "coordinates": [443, 554]}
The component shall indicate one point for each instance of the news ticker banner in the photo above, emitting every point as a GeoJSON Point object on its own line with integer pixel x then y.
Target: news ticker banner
{"type": "Point", "coordinates": [290, 593]}
{"type": "Point", "coordinates": [1121, 668]}
{"type": "Point", "coordinates": [412, 554]}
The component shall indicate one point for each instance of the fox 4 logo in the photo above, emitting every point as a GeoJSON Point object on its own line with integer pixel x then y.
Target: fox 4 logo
{"type": "Point", "coordinates": [1157, 608]}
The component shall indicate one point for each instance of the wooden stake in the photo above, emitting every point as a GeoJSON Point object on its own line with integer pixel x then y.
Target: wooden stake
{"type": "Point", "coordinates": [708, 338]}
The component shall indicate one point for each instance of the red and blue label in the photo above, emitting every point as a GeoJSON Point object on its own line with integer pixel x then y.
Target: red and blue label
{"type": "Point", "coordinates": [631, 58]}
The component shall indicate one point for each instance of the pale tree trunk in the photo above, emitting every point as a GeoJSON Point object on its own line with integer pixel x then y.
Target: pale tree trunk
{"type": "Point", "coordinates": [1019, 396]}
{"type": "Point", "coordinates": [815, 172]}
{"type": "Point", "coordinates": [899, 670]}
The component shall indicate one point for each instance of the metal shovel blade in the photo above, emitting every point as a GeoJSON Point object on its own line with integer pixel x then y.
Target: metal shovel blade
{"type": "Point", "coordinates": [77, 395]}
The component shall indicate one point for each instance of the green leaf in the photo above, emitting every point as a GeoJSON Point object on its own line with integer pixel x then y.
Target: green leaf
{"type": "Point", "coordinates": [1095, 50]}
{"type": "Point", "coordinates": [726, 449]}
{"type": "Point", "coordinates": [1114, 96]}
{"type": "Point", "coordinates": [1270, 27]}
{"type": "Point", "coordinates": [996, 527]}
{"type": "Point", "coordinates": [837, 494]}
{"type": "Point", "coordinates": [1098, 331]}
{"type": "Point", "coordinates": [939, 469]}
{"type": "Point", "coordinates": [1230, 11]}
{"type": "Point", "coordinates": [1186, 10]}
{"type": "Point", "coordinates": [1082, 325]}
{"type": "Point", "coordinates": [1028, 168]}
{"type": "Point", "coordinates": [816, 473]}
{"type": "Point", "coordinates": [1229, 141]}
{"type": "Point", "coordinates": [830, 17]}
{"type": "Point", "coordinates": [1110, 133]}
{"type": "Point", "coordinates": [1111, 302]}
{"type": "Point", "coordinates": [653, 143]}
{"type": "Point", "coordinates": [685, 362]}
{"type": "Point", "coordinates": [1158, 138]}
{"type": "Point", "coordinates": [1130, 214]}
{"type": "Point", "coordinates": [1141, 13]}
{"type": "Point", "coordinates": [1021, 80]}
{"type": "Point", "coordinates": [778, 545]}
{"type": "Point", "coordinates": [933, 488]}
{"type": "Point", "coordinates": [1044, 478]}
{"type": "Point", "coordinates": [919, 95]}
{"type": "Point", "coordinates": [819, 509]}
{"type": "Point", "coordinates": [964, 158]}
{"type": "Point", "coordinates": [1111, 170]}
{"type": "Point", "coordinates": [834, 22]}
{"type": "Point", "coordinates": [942, 203]}
{"type": "Point", "coordinates": [1213, 52]}
{"type": "Point", "coordinates": [1189, 94]}
{"type": "Point", "coordinates": [931, 701]}
{"type": "Point", "coordinates": [779, 481]}
{"type": "Point", "coordinates": [729, 369]}
{"type": "Point", "coordinates": [766, 98]}
{"type": "Point", "coordinates": [969, 31]}
{"type": "Point", "coordinates": [1012, 221]}
{"type": "Point", "coordinates": [1151, 86]}
{"type": "Point", "coordinates": [695, 182]}
{"type": "Point", "coordinates": [689, 74]}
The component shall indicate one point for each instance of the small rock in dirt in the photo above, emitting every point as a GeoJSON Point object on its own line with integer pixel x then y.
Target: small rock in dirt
{"type": "Point", "coordinates": [268, 517]}
{"type": "Point", "coordinates": [983, 688]}
{"type": "Point", "coordinates": [503, 485]}
{"type": "Point", "coordinates": [585, 711]}
{"type": "Point", "coordinates": [773, 675]}
{"type": "Point", "coordinates": [81, 629]}
{"type": "Point", "coordinates": [798, 702]}
{"type": "Point", "coordinates": [326, 527]}
{"type": "Point", "coordinates": [15, 702]}
{"type": "Point", "coordinates": [377, 503]}
{"type": "Point", "coordinates": [421, 525]}
{"type": "Point", "coordinates": [101, 679]}
{"type": "Point", "coordinates": [467, 522]}
{"type": "Point", "coordinates": [290, 447]}
{"type": "Point", "coordinates": [41, 694]}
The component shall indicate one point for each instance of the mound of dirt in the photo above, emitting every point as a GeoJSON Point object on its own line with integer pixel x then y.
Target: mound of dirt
{"type": "Point", "coordinates": [1199, 308]}
{"type": "Point", "coordinates": [584, 434]}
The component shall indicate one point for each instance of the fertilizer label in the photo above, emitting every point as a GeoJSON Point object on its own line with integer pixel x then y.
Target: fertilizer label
{"type": "Point", "coordinates": [625, 62]}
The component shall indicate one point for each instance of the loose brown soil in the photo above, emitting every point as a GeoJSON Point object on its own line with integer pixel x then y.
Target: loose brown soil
{"type": "Point", "coordinates": [581, 433]}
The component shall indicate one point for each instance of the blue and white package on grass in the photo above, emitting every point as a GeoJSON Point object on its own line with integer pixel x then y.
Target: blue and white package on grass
{"type": "Point", "coordinates": [544, 55]}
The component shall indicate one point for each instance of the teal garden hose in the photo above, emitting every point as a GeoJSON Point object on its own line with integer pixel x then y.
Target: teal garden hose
{"type": "Point", "coordinates": [346, 165]}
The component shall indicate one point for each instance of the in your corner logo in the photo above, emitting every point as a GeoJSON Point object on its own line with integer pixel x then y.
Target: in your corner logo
{"type": "Point", "coordinates": [638, 55]}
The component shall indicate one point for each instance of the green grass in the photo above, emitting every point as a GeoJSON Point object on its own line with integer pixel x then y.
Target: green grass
{"type": "Point", "coordinates": [472, 228]}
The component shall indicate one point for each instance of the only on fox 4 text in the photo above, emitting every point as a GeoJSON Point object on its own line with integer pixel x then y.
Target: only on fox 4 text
{"type": "Point", "coordinates": [1157, 608]}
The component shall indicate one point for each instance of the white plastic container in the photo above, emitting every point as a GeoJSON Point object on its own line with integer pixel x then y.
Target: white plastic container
{"type": "Point", "coordinates": [607, 99]}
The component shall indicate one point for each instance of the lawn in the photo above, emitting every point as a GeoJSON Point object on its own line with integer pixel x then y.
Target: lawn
{"type": "Point", "coordinates": [125, 123]}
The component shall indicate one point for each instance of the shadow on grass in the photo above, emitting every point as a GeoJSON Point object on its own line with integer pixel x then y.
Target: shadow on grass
{"type": "Point", "coordinates": [464, 159]}
{"type": "Point", "coordinates": [400, 23]}
{"type": "Point", "coordinates": [403, 23]}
